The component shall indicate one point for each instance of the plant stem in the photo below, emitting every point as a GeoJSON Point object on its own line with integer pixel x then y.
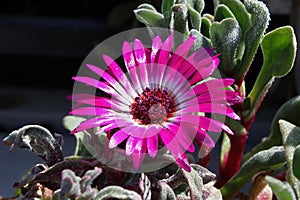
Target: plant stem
{"type": "Point", "coordinates": [232, 160]}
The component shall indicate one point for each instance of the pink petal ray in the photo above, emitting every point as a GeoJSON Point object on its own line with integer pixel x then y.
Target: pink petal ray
{"type": "Point", "coordinates": [175, 148]}
{"type": "Point", "coordinates": [139, 155]}
{"type": "Point", "coordinates": [117, 138]}
{"type": "Point", "coordinates": [119, 74]}
{"type": "Point", "coordinates": [181, 52]}
{"type": "Point", "coordinates": [182, 135]}
{"type": "Point", "coordinates": [213, 108]}
{"type": "Point", "coordinates": [152, 145]}
{"type": "Point", "coordinates": [162, 59]}
{"type": "Point", "coordinates": [102, 86]}
{"type": "Point", "coordinates": [92, 123]}
{"type": "Point", "coordinates": [114, 83]}
{"type": "Point", "coordinates": [204, 138]}
{"type": "Point", "coordinates": [130, 64]}
{"type": "Point", "coordinates": [92, 111]}
{"type": "Point", "coordinates": [141, 60]}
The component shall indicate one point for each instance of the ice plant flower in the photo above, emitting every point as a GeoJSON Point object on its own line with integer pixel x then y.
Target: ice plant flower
{"type": "Point", "coordinates": [162, 98]}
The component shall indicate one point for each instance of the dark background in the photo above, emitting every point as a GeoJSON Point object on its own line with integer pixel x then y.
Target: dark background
{"type": "Point", "coordinates": [42, 45]}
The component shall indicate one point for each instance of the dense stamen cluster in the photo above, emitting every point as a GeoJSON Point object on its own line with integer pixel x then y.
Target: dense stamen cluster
{"type": "Point", "coordinates": [153, 106]}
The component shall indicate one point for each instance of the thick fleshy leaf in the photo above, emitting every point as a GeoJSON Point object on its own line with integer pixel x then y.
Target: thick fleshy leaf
{"type": "Point", "coordinates": [237, 8]}
{"type": "Point", "coordinates": [195, 18]}
{"type": "Point", "coordinates": [38, 140]}
{"type": "Point", "coordinates": [195, 183]}
{"type": "Point", "coordinates": [265, 160]}
{"type": "Point", "coordinates": [166, 8]}
{"type": "Point", "coordinates": [205, 26]}
{"type": "Point", "coordinates": [260, 17]}
{"type": "Point", "coordinates": [166, 192]}
{"type": "Point", "coordinates": [180, 23]}
{"type": "Point", "coordinates": [146, 6]}
{"type": "Point", "coordinates": [200, 40]}
{"type": "Point", "coordinates": [226, 37]}
{"type": "Point", "coordinates": [279, 50]}
{"type": "Point", "coordinates": [291, 139]}
{"type": "Point", "coordinates": [288, 111]}
{"type": "Point", "coordinates": [149, 17]}
{"type": "Point", "coordinates": [117, 192]}
{"type": "Point", "coordinates": [296, 162]}
{"type": "Point", "coordinates": [223, 12]}
{"type": "Point", "coordinates": [282, 190]}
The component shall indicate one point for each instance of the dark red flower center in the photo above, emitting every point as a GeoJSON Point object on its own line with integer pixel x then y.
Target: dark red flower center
{"type": "Point", "coordinates": [153, 106]}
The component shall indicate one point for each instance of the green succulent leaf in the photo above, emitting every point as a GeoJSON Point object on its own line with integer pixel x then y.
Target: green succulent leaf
{"type": "Point", "coordinates": [291, 139]}
{"type": "Point", "coordinates": [166, 9]}
{"type": "Point", "coordinates": [296, 162]}
{"type": "Point", "coordinates": [198, 5]}
{"type": "Point", "coordinates": [282, 190]}
{"type": "Point", "coordinates": [200, 40]}
{"type": "Point", "coordinates": [237, 8]}
{"type": "Point", "coordinates": [279, 51]}
{"type": "Point", "coordinates": [226, 37]}
{"type": "Point", "coordinates": [205, 26]}
{"type": "Point", "coordinates": [225, 147]}
{"type": "Point", "coordinates": [180, 22]}
{"type": "Point", "coordinates": [39, 141]}
{"type": "Point", "coordinates": [195, 18]}
{"type": "Point", "coordinates": [147, 6]}
{"type": "Point", "coordinates": [223, 12]}
{"type": "Point", "coordinates": [195, 183]}
{"type": "Point", "coordinates": [166, 6]}
{"type": "Point", "coordinates": [289, 111]}
{"type": "Point", "coordinates": [265, 160]}
{"type": "Point", "coordinates": [166, 192]}
{"type": "Point", "coordinates": [260, 17]}
{"type": "Point", "coordinates": [117, 192]}
{"type": "Point", "coordinates": [149, 17]}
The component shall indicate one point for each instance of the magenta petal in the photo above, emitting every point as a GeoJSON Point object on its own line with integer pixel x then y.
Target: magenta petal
{"type": "Point", "coordinates": [212, 85]}
{"type": "Point", "coordinates": [175, 149]}
{"type": "Point", "coordinates": [156, 44]}
{"type": "Point", "coordinates": [184, 163]}
{"type": "Point", "coordinates": [141, 59]}
{"type": "Point", "coordinates": [164, 52]}
{"type": "Point", "coordinates": [203, 138]}
{"type": "Point", "coordinates": [152, 145]}
{"type": "Point", "coordinates": [130, 64]}
{"type": "Point", "coordinates": [180, 53]}
{"type": "Point", "coordinates": [115, 84]}
{"type": "Point", "coordinates": [87, 111]}
{"type": "Point", "coordinates": [132, 144]}
{"type": "Point", "coordinates": [92, 123]}
{"type": "Point", "coordinates": [95, 83]}
{"type": "Point", "coordinates": [213, 125]}
{"type": "Point", "coordinates": [119, 74]}
{"type": "Point", "coordinates": [139, 154]}
{"type": "Point", "coordinates": [117, 138]}
{"type": "Point", "coordinates": [183, 135]}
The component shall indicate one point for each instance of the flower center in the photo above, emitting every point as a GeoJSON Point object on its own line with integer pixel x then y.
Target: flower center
{"type": "Point", "coordinates": [153, 106]}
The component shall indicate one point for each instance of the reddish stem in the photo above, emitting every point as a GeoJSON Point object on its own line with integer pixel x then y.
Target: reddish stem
{"type": "Point", "coordinates": [233, 159]}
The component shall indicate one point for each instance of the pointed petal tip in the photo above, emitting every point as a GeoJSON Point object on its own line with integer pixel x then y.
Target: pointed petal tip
{"type": "Point", "coordinates": [184, 164]}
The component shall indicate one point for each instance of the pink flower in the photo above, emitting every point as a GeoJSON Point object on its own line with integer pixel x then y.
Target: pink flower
{"type": "Point", "coordinates": [163, 98]}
